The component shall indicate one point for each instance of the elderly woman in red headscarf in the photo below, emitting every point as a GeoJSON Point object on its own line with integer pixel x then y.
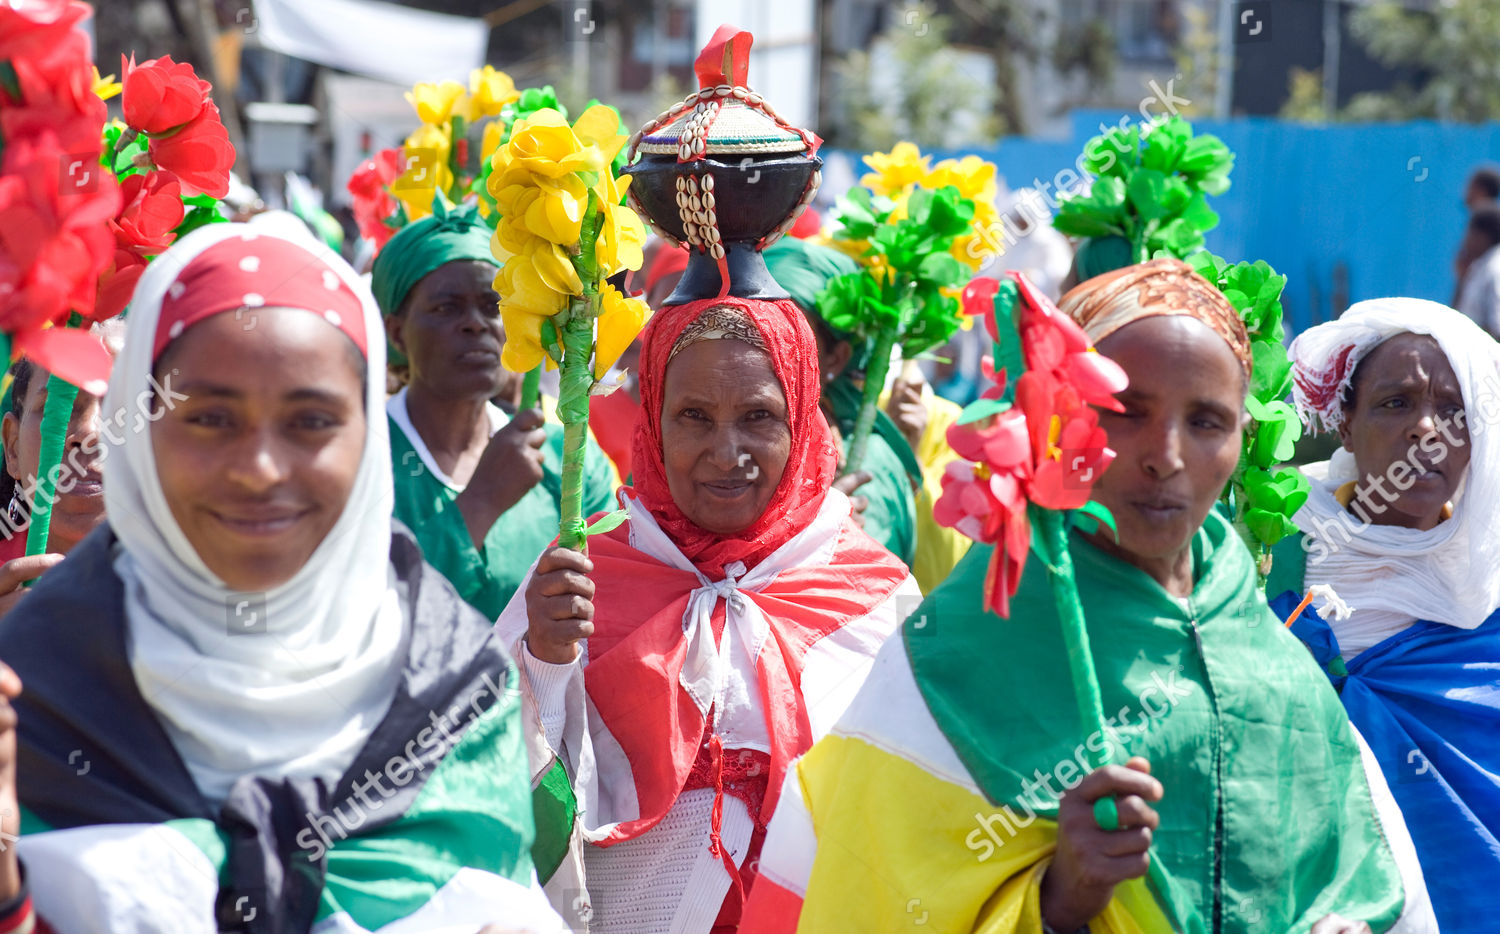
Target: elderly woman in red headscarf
{"type": "Point", "coordinates": [672, 675]}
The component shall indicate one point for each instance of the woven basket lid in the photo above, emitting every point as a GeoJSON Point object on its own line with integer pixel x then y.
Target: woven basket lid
{"type": "Point", "coordinates": [738, 129]}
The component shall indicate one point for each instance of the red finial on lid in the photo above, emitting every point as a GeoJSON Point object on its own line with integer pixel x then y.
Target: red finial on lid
{"type": "Point", "coordinates": [726, 58]}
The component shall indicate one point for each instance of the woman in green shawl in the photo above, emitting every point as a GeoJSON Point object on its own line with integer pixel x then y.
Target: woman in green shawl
{"type": "Point", "coordinates": [479, 489]}
{"type": "Point", "coordinates": [956, 790]}
{"type": "Point", "coordinates": [890, 515]}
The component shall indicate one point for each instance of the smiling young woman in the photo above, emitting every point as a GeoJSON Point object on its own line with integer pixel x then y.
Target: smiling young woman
{"type": "Point", "coordinates": [218, 678]}
{"type": "Point", "coordinates": [1401, 524]}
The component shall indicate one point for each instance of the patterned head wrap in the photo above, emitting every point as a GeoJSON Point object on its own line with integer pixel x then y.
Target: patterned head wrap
{"type": "Point", "coordinates": [1161, 287]}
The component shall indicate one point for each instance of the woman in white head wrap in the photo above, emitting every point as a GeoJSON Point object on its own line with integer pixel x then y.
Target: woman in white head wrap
{"type": "Point", "coordinates": [248, 702]}
{"type": "Point", "coordinates": [1403, 526]}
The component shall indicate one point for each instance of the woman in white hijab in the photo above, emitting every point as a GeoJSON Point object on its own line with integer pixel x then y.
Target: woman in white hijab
{"type": "Point", "coordinates": [1402, 531]}
{"type": "Point", "coordinates": [249, 704]}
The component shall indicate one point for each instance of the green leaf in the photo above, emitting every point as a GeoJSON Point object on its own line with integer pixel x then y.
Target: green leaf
{"type": "Point", "coordinates": [1178, 237]}
{"type": "Point", "coordinates": [607, 522]}
{"type": "Point", "coordinates": [1205, 154]}
{"type": "Point", "coordinates": [1271, 372]}
{"type": "Point", "coordinates": [949, 213]}
{"type": "Point", "coordinates": [852, 302]}
{"type": "Point", "coordinates": [1268, 527]}
{"type": "Point", "coordinates": [856, 215]}
{"type": "Point", "coordinates": [1082, 224]}
{"type": "Point", "coordinates": [1101, 516]}
{"type": "Point", "coordinates": [1146, 190]}
{"type": "Point", "coordinates": [943, 269]}
{"type": "Point", "coordinates": [981, 409]}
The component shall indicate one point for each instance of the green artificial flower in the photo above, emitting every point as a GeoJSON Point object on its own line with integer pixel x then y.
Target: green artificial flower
{"type": "Point", "coordinates": [1150, 189]}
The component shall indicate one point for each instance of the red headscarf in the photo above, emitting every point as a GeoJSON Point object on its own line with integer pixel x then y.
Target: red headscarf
{"type": "Point", "coordinates": [809, 467]}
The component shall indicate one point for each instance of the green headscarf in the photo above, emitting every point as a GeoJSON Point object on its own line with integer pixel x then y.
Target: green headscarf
{"type": "Point", "coordinates": [447, 235]}
{"type": "Point", "coordinates": [804, 269]}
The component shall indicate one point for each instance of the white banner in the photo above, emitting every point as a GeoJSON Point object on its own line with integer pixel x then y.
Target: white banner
{"type": "Point", "coordinates": [380, 40]}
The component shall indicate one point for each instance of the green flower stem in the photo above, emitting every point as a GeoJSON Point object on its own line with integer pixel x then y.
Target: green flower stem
{"type": "Point", "coordinates": [1053, 528]}
{"type": "Point", "coordinates": [880, 363]}
{"type": "Point", "coordinates": [1138, 242]}
{"type": "Point", "coordinates": [577, 378]}
{"type": "Point", "coordinates": [531, 388]}
{"type": "Point", "coordinates": [458, 130]}
{"type": "Point", "coordinates": [573, 407]}
{"type": "Point", "coordinates": [56, 414]}
{"type": "Point", "coordinates": [127, 136]}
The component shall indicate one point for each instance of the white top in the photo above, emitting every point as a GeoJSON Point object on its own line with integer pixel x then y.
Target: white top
{"type": "Point", "coordinates": [666, 880]}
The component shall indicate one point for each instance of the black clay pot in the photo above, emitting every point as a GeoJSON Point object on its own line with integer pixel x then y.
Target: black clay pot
{"type": "Point", "coordinates": [752, 197]}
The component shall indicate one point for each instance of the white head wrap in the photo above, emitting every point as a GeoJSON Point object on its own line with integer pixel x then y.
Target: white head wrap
{"type": "Point", "coordinates": [299, 692]}
{"type": "Point", "coordinates": [1391, 575]}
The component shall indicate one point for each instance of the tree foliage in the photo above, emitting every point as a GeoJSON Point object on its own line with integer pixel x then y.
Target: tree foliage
{"type": "Point", "coordinates": [1454, 48]}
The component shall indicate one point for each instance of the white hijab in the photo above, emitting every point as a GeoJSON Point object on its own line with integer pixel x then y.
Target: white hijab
{"type": "Point", "coordinates": [1389, 575]}
{"type": "Point", "coordinates": [297, 693]}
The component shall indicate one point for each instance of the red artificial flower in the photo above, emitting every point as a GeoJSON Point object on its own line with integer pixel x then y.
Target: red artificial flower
{"type": "Point", "coordinates": [151, 208]}
{"type": "Point", "coordinates": [1047, 449]}
{"type": "Point", "coordinates": [40, 29]}
{"type": "Point", "coordinates": [984, 497]}
{"type": "Point", "coordinates": [54, 240]}
{"type": "Point", "coordinates": [168, 102]}
{"type": "Point", "coordinates": [161, 95]}
{"type": "Point", "coordinates": [56, 93]}
{"type": "Point", "coordinates": [199, 154]}
{"type": "Point", "coordinates": [117, 283]}
{"type": "Point", "coordinates": [373, 203]}
{"type": "Point", "coordinates": [979, 298]}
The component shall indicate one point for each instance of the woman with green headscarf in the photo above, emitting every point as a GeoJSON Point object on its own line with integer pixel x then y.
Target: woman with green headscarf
{"type": "Point", "coordinates": [479, 489]}
{"type": "Point", "coordinates": [890, 517]}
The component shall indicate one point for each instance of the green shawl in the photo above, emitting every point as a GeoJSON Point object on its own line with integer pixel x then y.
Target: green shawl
{"type": "Point", "coordinates": [1267, 823]}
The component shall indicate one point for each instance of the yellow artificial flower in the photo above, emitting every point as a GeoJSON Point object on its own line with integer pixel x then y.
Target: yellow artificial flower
{"type": "Point", "coordinates": [489, 91]}
{"type": "Point", "coordinates": [435, 102]}
{"type": "Point", "coordinates": [600, 125]}
{"type": "Point", "coordinates": [557, 214]}
{"type": "Point", "coordinates": [490, 141]}
{"type": "Point", "coordinates": [620, 320]}
{"type": "Point", "coordinates": [525, 301]}
{"type": "Point", "coordinates": [622, 237]}
{"type": "Point", "coordinates": [553, 266]}
{"type": "Point", "coordinates": [987, 240]}
{"type": "Point", "coordinates": [972, 176]}
{"type": "Point", "coordinates": [523, 339]}
{"type": "Point", "coordinates": [510, 239]}
{"type": "Point", "coordinates": [105, 88]}
{"type": "Point", "coordinates": [426, 153]}
{"type": "Point", "coordinates": [904, 165]}
{"type": "Point", "coordinates": [546, 146]}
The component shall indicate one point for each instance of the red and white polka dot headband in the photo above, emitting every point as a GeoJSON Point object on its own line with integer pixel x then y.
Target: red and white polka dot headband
{"type": "Point", "coordinates": [252, 271]}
